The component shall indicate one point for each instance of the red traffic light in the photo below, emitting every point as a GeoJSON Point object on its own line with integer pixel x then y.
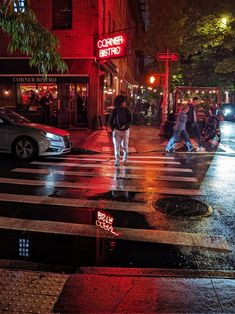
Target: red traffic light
{"type": "Point", "coordinates": [154, 79]}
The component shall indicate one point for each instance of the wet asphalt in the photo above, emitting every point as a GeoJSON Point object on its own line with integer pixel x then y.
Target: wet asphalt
{"type": "Point", "coordinates": [215, 172]}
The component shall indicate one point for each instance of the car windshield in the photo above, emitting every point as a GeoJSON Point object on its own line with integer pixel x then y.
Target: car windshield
{"type": "Point", "coordinates": [14, 117]}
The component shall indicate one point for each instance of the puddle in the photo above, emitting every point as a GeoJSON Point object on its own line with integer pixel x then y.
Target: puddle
{"type": "Point", "coordinates": [72, 252]}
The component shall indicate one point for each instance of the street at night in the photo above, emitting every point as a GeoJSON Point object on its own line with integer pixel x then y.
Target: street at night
{"type": "Point", "coordinates": [73, 188]}
{"type": "Point", "coordinates": [52, 205]}
{"type": "Point", "coordinates": [117, 153]}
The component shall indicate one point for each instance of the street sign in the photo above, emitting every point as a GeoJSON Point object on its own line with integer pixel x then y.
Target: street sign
{"type": "Point", "coordinates": [162, 56]}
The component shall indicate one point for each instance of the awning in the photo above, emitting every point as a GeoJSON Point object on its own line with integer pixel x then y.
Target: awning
{"type": "Point", "coordinates": [19, 71]}
{"type": "Point", "coordinates": [80, 67]}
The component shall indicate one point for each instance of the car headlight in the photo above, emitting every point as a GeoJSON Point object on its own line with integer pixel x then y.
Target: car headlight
{"type": "Point", "coordinates": [227, 111]}
{"type": "Point", "coordinates": [52, 137]}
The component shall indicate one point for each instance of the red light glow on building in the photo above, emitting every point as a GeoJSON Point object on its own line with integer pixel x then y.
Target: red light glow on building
{"type": "Point", "coordinates": [112, 47]}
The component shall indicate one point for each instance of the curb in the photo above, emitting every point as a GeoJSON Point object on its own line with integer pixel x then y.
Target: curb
{"type": "Point", "coordinates": [160, 272]}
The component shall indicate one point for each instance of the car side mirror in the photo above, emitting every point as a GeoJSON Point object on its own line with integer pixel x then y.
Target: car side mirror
{"type": "Point", "coordinates": [1, 121]}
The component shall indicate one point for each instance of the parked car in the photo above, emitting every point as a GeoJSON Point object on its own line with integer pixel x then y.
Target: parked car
{"type": "Point", "coordinates": [27, 140]}
{"type": "Point", "coordinates": [228, 111]}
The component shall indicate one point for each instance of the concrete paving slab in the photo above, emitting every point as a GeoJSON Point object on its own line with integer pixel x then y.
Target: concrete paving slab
{"type": "Point", "coordinates": [111, 294]}
{"type": "Point", "coordinates": [225, 291]}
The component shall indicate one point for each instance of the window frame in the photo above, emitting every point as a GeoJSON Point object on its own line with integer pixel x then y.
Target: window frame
{"type": "Point", "coordinates": [21, 7]}
{"type": "Point", "coordinates": [55, 24]}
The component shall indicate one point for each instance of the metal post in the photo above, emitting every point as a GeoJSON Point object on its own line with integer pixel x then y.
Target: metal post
{"type": "Point", "coordinates": [165, 95]}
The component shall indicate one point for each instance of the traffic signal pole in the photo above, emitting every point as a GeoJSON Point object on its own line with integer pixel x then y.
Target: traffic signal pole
{"type": "Point", "coordinates": [165, 95]}
{"type": "Point", "coordinates": [162, 56]}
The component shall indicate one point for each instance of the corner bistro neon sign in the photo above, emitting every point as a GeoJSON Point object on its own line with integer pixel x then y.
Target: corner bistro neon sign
{"type": "Point", "coordinates": [112, 47]}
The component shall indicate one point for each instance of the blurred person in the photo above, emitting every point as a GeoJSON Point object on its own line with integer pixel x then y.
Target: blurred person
{"type": "Point", "coordinates": [31, 97]}
{"type": "Point", "coordinates": [192, 122]}
{"type": "Point", "coordinates": [46, 102]}
{"type": "Point", "coordinates": [180, 131]}
{"type": "Point", "coordinates": [120, 121]}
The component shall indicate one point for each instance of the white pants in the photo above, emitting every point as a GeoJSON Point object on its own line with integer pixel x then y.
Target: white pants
{"type": "Point", "coordinates": [120, 138]}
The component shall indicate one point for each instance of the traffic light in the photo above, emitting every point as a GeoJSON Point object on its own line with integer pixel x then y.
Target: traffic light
{"type": "Point", "coordinates": [154, 79]}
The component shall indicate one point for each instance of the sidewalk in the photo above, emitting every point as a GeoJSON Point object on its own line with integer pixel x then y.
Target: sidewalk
{"type": "Point", "coordinates": [117, 290]}
{"type": "Point", "coordinates": [143, 139]}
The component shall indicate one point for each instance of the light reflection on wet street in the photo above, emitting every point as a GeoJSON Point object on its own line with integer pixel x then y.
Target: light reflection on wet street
{"type": "Point", "coordinates": [71, 189]}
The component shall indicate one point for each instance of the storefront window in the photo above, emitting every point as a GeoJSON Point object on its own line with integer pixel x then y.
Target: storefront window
{"type": "Point", "coordinates": [81, 102]}
{"type": "Point", "coordinates": [109, 92]}
{"type": "Point", "coordinates": [29, 95]}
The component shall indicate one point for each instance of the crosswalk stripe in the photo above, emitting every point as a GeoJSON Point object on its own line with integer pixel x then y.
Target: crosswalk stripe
{"type": "Point", "coordinates": [95, 174]}
{"type": "Point", "coordinates": [226, 148]}
{"type": "Point", "coordinates": [113, 187]}
{"type": "Point", "coordinates": [64, 164]}
{"type": "Point", "coordinates": [193, 142]}
{"type": "Point", "coordinates": [142, 235]}
{"type": "Point", "coordinates": [96, 157]}
{"type": "Point", "coordinates": [129, 161]}
{"type": "Point", "coordinates": [74, 202]}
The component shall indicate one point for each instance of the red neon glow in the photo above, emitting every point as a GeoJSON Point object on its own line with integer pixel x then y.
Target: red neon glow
{"type": "Point", "coordinates": [112, 47]}
{"type": "Point", "coordinates": [167, 56]}
{"type": "Point", "coordinates": [105, 221]}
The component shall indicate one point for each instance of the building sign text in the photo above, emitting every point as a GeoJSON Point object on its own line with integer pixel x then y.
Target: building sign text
{"type": "Point", "coordinates": [105, 221]}
{"type": "Point", "coordinates": [112, 47]}
{"type": "Point", "coordinates": [33, 79]}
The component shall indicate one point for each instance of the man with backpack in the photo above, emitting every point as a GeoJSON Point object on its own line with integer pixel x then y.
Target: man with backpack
{"type": "Point", "coordinates": [120, 121]}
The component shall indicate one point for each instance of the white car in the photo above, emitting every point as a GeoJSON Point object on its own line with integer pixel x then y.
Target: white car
{"type": "Point", "coordinates": [27, 140]}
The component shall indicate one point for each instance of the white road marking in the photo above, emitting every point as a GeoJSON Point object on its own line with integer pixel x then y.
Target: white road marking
{"type": "Point", "coordinates": [226, 148]}
{"type": "Point", "coordinates": [110, 149]}
{"type": "Point", "coordinates": [102, 157]}
{"type": "Point", "coordinates": [74, 202]}
{"type": "Point", "coordinates": [108, 187]}
{"type": "Point", "coordinates": [115, 175]}
{"type": "Point", "coordinates": [129, 161]}
{"type": "Point", "coordinates": [193, 142]}
{"type": "Point", "coordinates": [142, 235]}
{"type": "Point", "coordinates": [64, 164]}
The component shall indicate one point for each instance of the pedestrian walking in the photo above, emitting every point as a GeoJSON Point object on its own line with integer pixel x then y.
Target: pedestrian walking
{"type": "Point", "coordinates": [211, 130]}
{"type": "Point", "coordinates": [180, 131]}
{"type": "Point", "coordinates": [120, 121]}
{"type": "Point", "coordinates": [46, 102]}
{"type": "Point", "coordinates": [192, 123]}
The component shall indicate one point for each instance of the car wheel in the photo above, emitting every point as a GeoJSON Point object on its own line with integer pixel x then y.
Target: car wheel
{"type": "Point", "coordinates": [24, 148]}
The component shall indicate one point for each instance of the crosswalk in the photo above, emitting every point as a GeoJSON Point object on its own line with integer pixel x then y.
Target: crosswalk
{"type": "Point", "coordinates": [82, 181]}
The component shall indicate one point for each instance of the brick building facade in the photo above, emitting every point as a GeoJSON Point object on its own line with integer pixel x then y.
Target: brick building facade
{"type": "Point", "coordinates": [86, 92]}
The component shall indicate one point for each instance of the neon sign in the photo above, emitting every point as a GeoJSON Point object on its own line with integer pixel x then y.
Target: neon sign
{"type": "Point", "coordinates": [112, 47]}
{"type": "Point", "coordinates": [105, 221]}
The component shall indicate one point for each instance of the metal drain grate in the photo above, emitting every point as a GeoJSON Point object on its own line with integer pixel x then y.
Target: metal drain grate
{"type": "Point", "coordinates": [183, 208]}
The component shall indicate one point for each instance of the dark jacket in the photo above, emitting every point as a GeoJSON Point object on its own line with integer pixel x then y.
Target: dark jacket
{"type": "Point", "coordinates": [120, 117]}
{"type": "Point", "coordinates": [190, 113]}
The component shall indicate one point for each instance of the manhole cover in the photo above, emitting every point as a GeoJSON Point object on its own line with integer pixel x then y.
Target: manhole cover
{"type": "Point", "coordinates": [180, 207]}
